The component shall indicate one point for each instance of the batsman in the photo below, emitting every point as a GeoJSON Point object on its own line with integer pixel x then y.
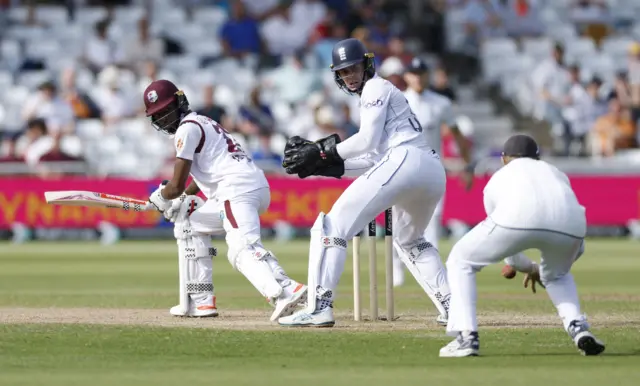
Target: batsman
{"type": "Point", "coordinates": [237, 193]}
{"type": "Point", "coordinates": [397, 169]}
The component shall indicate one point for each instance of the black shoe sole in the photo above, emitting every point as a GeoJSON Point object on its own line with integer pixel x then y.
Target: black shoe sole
{"type": "Point", "coordinates": [589, 346]}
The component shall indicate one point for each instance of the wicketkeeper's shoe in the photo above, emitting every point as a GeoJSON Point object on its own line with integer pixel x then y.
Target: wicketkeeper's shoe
{"type": "Point", "coordinates": [586, 342]}
{"type": "Point", "coordinates": [292, 296]}
{"type": "Point", "coordinates": [302, 318]}
{"type": "Point", "coordinates": [466, 344]}
{"type": "Point", "coordinates": [200, 306]}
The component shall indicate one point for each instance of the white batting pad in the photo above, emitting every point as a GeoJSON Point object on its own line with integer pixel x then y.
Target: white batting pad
{"type": "Point", "coordinates": [317, 246]}
{"type": "Point", "coordinates": [424, 263]}
{"type": "Point", "coordinates": [250, 260]}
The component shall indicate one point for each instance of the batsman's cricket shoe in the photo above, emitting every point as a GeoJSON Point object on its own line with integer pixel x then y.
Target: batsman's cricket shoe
{"type": "Point", "coordinates": [303, 318]}
{"type": "Point", "coordinates": [200, 306]}
{"type": "Point", "coordinates": [466, 344]}
{"type": "Point", "coordinates": [292, 296]}
{"type": "Point", "coordinates": [586, 342]}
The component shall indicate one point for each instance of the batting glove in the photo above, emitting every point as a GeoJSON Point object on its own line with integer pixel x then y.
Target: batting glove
{"type": "Point", "coordinates": [161, 203]}
{"type": "Point", "coordinates": [171, 214]}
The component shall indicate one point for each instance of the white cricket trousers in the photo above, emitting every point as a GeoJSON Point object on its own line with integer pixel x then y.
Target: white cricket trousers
{"type": "Point", "coordinates": [488, 243]}
{"type": "Point", "coordinates": [241, 213]}
{"type": "Point", "coordinates": [409, 180]}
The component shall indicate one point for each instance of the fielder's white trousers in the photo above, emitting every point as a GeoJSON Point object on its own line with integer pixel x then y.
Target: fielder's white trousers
{"type": "Point", "coordinates": [488, 243]}
{"type": "Point", "coordinates": [408, 179]}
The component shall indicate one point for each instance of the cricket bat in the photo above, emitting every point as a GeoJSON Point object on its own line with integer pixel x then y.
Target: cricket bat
{"type": "Point", "coordinates": [104, 200]}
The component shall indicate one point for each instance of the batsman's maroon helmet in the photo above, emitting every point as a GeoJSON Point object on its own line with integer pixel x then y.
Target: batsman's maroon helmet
{"type": "Point", "coordinates": [165, 104]}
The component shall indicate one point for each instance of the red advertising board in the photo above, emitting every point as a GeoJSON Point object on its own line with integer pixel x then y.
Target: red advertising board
{"type": "Point", "coordinates": [610, 200]}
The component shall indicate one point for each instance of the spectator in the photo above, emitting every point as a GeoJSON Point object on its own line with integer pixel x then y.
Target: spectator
{"type": "Point", "coordinates": [262, 9]}
{"type": "Point", "coordinates": [582, 108]}
{"type": "Point", "coordinates": [292, 81]}
{"type": "Point", "coordinates": [58, 115]}
{"type": "Point", "coordinates": [634, 80]}
{"type": "Point", "coordinates": [481, 21]}
{"type": "Point", "coordinates": [613, 131]}
{"type": "Point", "coordinates": [255, 117]}
{"type": "Point", "coordinates": [100, 51]}
{"type": "Point", "coordinates": [82, 105]}
{"type": "Point", "coordinates": [520, 18]}
{"type": "Point", "coordinates": [288, 30]}
{"type": "Point", "coordinates": [37, 145]}
{"type": "Point", "coordinates": [213, 110]}
{"type": "Point", "coordinates": [143, 48]}
{"type": "Point", "coordinates": [240, 34]}
{"type": "Point", "coordinates": [441, 84]}
{"type": "Point", "coordinates": [324, 45]}
{"type": "Point", "coordinates": [325, 124]}
{"type": "Point", "coordinates": [551, 83]}
{"type": "Point", "coordinates": [113, 102]}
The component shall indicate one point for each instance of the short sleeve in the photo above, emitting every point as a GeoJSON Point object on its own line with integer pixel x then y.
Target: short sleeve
{"type": "Point", "coordinates": [187, 139]}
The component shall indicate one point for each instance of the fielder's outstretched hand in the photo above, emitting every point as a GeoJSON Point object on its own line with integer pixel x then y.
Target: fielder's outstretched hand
{"type": "Point", "coordinates": [533, 277]}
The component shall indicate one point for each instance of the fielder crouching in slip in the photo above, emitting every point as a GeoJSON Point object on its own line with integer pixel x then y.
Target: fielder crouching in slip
{"type": "Point", "coordinates": [237, 193]}
{"type": "Point", "coordinates": [398, 169]}
{"type": "Point", "coordinates": [530, 205]}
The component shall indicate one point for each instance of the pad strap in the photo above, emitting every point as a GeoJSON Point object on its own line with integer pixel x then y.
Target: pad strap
{"type": "Point", "coordinates": [196, 287]}
{"type": "Point", "coordinates": [334, 242]}
{"type": "Point", "coordinates": [190, 253]}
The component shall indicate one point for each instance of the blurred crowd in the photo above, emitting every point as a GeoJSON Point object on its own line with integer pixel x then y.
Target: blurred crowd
{"type": "Point", "coordinates": [260, 68]}
{"type": "Point", "coordinates": [589, 117]}
{"type": "Point", "coordinates": [572, 64]}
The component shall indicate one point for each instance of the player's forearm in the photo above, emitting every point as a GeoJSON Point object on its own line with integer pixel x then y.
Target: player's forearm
{"type": "Point", "coordinates": [463, 145]}
{"type": "Point", "coordinates": [192, 189]}
{"type": "Point", "coordinates": [520, 263]}
{"type": "Point", "coordinates": [171, 191]}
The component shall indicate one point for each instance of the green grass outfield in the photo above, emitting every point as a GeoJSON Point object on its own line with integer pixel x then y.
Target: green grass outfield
{"type": "Point", "coordinates": [81, 313]}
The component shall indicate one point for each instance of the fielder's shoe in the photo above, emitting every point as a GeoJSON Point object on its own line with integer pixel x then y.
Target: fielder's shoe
{"type": "Point", "coordinates": [586, 342]}
{"type": "Point", "coordinates": [466, 344]}
{"type": "Point", "coordinates": [302, 318]}
{"type": "Point", "coordinates": [442, 319]}
{"type": "Point", "coordinates": [200, 306]}
{"type": "Point", "coordinates": [292, 296]}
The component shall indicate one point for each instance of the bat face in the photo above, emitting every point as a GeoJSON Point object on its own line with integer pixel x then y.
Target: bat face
{"type": "Point", "coordinates": [85, 198]}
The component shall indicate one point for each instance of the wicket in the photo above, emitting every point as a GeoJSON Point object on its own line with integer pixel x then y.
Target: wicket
{"type": "Point", "coordinates": [373, 278]}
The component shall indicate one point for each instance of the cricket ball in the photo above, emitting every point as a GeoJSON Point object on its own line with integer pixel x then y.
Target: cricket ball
{"type": "Point", "coordinates": [508, 272]}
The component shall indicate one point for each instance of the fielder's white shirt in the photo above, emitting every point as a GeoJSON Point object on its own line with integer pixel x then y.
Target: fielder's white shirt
{"type": "Point", "coordinates": [432, 110]}
{"type": "Point", "coordinates": [532, 194]}
{"type": "Point", "coordinates": [386, 121]}
{"type": "Point", "coordinates": [221, 169]}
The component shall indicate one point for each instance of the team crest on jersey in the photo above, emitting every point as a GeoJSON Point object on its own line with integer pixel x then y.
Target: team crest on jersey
{"type": "Point", "coordinates": [152, 96]}
{"type": "Point", "coordinates": [179, 144]}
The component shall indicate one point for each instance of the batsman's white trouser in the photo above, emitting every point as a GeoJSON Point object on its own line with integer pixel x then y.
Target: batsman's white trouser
{"type": "Point", "coordinates": [239, 220]}
{"type": "Point", "coordinates": [408, 179]}
{"type": "Point", "coordinates": [488, 243]}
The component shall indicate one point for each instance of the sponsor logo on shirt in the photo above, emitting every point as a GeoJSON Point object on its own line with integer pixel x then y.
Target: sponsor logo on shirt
{"type": "Point", "coordinates": [376, 103]}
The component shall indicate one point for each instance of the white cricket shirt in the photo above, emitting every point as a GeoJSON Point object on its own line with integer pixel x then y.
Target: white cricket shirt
{"type": "Point", "coordinates": [220, 167]}
{"type": "Point", "coordinates": [386, 121]}
{"type": "Point", "coordinates": [532, 194]}
{"type": "Point", "coordinates": [432, 110]}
